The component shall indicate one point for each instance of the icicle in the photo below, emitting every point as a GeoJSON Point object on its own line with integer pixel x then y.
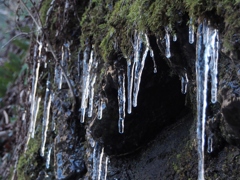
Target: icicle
{"type": "Point", "coordinates": [60, 70]}
{"type": "Point", "coordinates": [85, 81]}
{"type": "Point", "coordinates": [91, 95]}
{"type": "Point", "coordinates": [214, 65]}
{"type": "Point", "coordinates": [138, 74]}
{"type": "Point", "coordinates": [95, 161]}
{"type": "Point", "coordinates": [106, 168]}
{"type": "Point", "coordinates": [130, 70]}
{"type": "Point", "coordinates": [24, 116]}
{"type": "Point", "coordinates": [46, 112]}
{"type": "Point", "coordinates": [35, 116]}
{"type": "Point", "coordinates": [100, 164]}
{"type": "Point", "coordinates": [48, 158]}
{"type": "Point", "coordinates": [79, 64]}
{"type": "Point", "coordinates": [207, 54]}
{"type": "Point", "coordinates": [191, 32]}
{"type": "Point", "coordinates": [151, 54]}
{"type": "Point", "coordinates": [210, 144]}
{"type": "Point", "coordinates": [40, 49]}
{"type": "Point", "coordinates": [184, 83]}
{"type": "Point", "coordinates": [201, 79]}
{"type": "Point", "coordinates": [34, 81]}
{"type": "Point", "coordinates": [121, 101]}
{"type": "Point", "coordinates": [100, 109]}
{"type": "Point", "coordinates": [174, 37]}
{"type": "Point", "coordinates": [167, 40]}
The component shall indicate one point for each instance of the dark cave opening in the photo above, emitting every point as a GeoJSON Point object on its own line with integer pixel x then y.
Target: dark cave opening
{"type": "Point", "coordinates": [160, 103]}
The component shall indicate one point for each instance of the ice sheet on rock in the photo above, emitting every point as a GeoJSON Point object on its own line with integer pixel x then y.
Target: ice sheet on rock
{"type": "Point", "coordinates": [46, 113]}
{"type": "Point", "coordinates": [87, 65]}
{"type": "Point", "coordinates": [191, 32]}
{"type": "Point", "coordinates": [121, 100]}
{"type": "Point", "coordinates": [184, 83]}
{"type": "Point", "coordinates": [167, 40]}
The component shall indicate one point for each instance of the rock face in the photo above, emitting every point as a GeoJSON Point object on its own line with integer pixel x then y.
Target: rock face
{"type": "Point", "coordinates": [159, 139]}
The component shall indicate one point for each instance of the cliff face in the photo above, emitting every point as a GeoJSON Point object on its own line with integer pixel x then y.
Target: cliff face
{"type": "Point", "coordinates": [87, 62]}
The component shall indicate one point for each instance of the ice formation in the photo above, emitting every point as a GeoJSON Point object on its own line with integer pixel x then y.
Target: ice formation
{"type": "Point", "coordinates": [184, 83]}
{"type": "Point", "coordinates": [121, 100]}
{"type": "Point", "coordinates": [99, 171]}
{"type": "Point", "coordinates": [46, 113]}
{"type": "Point", "coordinates": [151, 54]}
{"type": "Point", "coordinates": [91, 95]}
{"type": "Point", "coordinates": [86, 81]}
{"type": "Point", "coordinates": [174, 37]}
{"type": "Point", "coordinates": [140, 62]}
{"type": "Point", "coordinates": [130, 70]}
{"type": "Point", "coordinates": [48, 157]}
{"type": "Point", "coordinates": [36, 108]}
{"type": "Point", "coordinates": [210, 145]}
{"type": "Point", "coordinates": [191, 32]}
{"type": "Point", "coordinates": [167, 40]}
{"type": "Point", "coordinates": [207, 55]}
{"type": "Point", "coordinates": [34, 80]}
{"type": "Point", "coordinates": [100, 109]}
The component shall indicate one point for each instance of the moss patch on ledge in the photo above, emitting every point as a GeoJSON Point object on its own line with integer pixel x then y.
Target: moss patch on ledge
{"type": "Point", "coordinates": [112, 24]}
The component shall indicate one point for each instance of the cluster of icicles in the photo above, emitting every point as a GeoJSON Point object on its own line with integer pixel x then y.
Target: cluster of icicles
{"type": "Point", "coordinates": [206, 60]}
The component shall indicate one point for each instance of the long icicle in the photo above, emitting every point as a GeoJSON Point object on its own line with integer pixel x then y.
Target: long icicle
{"type": "Point", "coordinates": [138, 74]}
{"type": "Point", "coordinates": [201, 79]}
{"type": "Point", "coordinates": [167, 40]}
{"type": "Point", "coordinates": [85, 82]}
{"type": "Point", "coordinates": [35, 116]}
{"type": "Point", "coordinates": [191, 32]}
{"type": "Point", "coordinates": [214, 64]}
{"type": "Point", "coordinates": [207, 55]}
{"type": "Point", "coordinates": [121, 100]}
{"type": "Point", "coordinates": [47, 105]}
{"type": "Point", "coordinates": [130, 71]}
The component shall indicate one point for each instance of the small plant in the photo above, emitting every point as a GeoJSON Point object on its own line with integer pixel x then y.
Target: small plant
{"type": "Point", "coordinates": [14, 67]}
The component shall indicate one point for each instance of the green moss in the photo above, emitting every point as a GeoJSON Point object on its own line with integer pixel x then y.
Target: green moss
{"type": "Point", "coordinates": [10, 173]}
{"type": "Point", "coordinates": [112, 25]}
{"type": "Point", "coordinates": [27, 162]}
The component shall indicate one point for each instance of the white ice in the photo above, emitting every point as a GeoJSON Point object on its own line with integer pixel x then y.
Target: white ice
{"type": "Point", "coordinates": [191, 32]}
{"type": "Point", "coordinates": [167, 40]}
{"type": "Point", "coordinates": [207, 57]}
{"type": "Point", "coordinates": [85, 81]}
{"type": "Point", "coordinates": [184, 83]}
{"type": "Point", "coordinates": [46, 113]}
{"type": "Point", "coordinates": [121, 100]}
